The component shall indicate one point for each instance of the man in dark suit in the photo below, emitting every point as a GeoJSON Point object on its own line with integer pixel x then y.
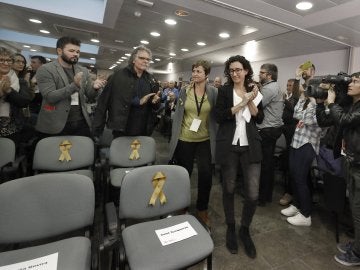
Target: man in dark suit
{"type": "Point", "coordinates": [65, 87]}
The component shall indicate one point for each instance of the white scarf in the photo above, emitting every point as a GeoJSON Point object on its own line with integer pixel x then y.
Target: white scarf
{"type": "Point", "coordinates": [15, 85]}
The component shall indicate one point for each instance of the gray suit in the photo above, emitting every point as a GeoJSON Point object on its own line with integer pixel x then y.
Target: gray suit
{"type": "Point", "coordinates": [56, 90]}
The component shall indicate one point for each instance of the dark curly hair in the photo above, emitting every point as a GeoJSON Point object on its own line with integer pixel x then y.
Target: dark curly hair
{"type": "Point", "coordinates": [246, 65]}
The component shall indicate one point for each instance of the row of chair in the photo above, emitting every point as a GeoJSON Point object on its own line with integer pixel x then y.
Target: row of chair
{"type": "Point", "coordinates": [48, 205]}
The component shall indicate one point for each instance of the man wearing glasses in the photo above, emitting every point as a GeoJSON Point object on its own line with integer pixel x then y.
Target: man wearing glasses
{"type": "Point", "coordinates": [129, 100]}
{"type": "Point", "coordinates": [270, 129]}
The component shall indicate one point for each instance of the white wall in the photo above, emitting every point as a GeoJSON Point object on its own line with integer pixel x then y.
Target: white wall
{"type": "Point", "coordinates": [325, 63]}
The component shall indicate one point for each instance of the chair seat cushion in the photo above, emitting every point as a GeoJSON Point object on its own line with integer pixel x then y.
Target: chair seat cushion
{"type": "Point", "coordinates": [117, 175]}
{"type": "Point", "coordinates": [145, 251]}
{"type": "Point", "coordinates": [85, 172]}
{"type": "Point", "coordinates": [74, 253]}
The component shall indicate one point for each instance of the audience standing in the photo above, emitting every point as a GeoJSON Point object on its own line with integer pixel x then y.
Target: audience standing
{"type": "Point", "coordinates": [238, 146]}
{"type": "Point", "coordinates": [13, 97]}
{"type": "Point", "coordinates": [194, 131]}
{"type": "Point", "coordinates": [270, 128]}
{"type": "Point", "coordinates": [128, 102]}
{"type": "Point", "coordinates": [66, 87]}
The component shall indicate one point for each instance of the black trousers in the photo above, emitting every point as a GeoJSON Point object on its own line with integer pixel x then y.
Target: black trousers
{"type": "Point", "coordinates": [236, 159]}
{"type": "Point", "coordinates": [269, 137]}
{"type": "Point", "coordinates": [185, 153]}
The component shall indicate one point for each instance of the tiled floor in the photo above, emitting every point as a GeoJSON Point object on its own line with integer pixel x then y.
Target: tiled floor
{"type": "Point", "coordinates": [279, 244]}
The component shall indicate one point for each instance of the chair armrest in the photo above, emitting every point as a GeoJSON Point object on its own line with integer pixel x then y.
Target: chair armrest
{"type": "Point", "coordinates": [111, 219]}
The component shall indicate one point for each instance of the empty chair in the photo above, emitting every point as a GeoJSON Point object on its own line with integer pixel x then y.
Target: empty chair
{"type": "Point", "coordinates": [139, 201]}
{"type": "Point", "coordinates": [43, 206]}
{"type": "Point", "coordinates": [127, 153]}
{"type": "Point", "coordinates": [71, 154]}
{"type": "Point", "coordinates": [10, 167]}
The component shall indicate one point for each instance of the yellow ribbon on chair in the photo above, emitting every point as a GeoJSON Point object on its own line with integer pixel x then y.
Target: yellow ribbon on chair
{"type": "Point", "coordinates": [135, 146]}
{"type": "Point", "coordinates": [158, 182]}
{"type": "Point", "coordinates": [64, 149]}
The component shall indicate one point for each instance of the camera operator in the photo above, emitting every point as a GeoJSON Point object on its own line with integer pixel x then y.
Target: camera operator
{"type": "Point", "coordinates": [349, 131]}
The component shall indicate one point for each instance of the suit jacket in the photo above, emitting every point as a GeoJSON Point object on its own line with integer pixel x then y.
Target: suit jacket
{"type": "Point", "coordinates": [227, 126]}
{"type": "Point", "coordinates": [56, 91]}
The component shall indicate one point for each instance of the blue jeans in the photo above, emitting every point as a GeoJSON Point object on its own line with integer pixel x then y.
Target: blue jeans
{"type": "Point", "coordinates": [300, 161]}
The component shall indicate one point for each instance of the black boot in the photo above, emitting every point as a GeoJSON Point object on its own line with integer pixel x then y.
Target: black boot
{"type": "Point", "coordinates": [231, 242]}
{"type": "Point", "coordinates": [247, 241]}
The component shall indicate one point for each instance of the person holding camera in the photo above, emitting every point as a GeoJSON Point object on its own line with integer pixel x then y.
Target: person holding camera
{"type": "Point", "coordinates": [349, 132]}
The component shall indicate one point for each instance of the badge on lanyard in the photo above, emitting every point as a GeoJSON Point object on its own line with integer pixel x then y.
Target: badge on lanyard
{"type": "Point", "coordinates": [195, 125]}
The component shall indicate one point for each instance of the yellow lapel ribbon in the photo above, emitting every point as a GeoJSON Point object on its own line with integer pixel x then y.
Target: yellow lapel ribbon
{"type": "Point", "coordinates": [135, 146]}
{"type": "Point", "coordinates": [64, 148]}
{"type": "Point", "coordinates": [158, 182]}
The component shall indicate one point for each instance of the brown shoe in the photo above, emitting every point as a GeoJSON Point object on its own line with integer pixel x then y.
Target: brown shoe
{"type": "Point", "coordinates": [204, 218]}
{"type": "Point", "coordinates": [286, 199]}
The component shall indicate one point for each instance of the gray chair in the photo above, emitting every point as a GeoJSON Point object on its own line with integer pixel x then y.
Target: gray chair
{"type": "Point", "coordinates": [143, 248]}
{"type": "Point", "coordinates": [120, 151]}
{"type": "Point", "coordinates": [42, 206]}
{"type": "Point", "coordinates": [82, 153]}
{"type": "Point", "coordinates": [10, 166]}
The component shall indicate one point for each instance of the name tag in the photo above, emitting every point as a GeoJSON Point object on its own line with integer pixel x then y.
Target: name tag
{"type": "Point", "coordinates": [75, 99]}
{"type": "Point", "coordinates": [195, 125]}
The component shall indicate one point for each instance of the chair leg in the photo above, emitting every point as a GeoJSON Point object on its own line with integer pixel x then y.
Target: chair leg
{"type": "Point", "coordinates": [209, 262]}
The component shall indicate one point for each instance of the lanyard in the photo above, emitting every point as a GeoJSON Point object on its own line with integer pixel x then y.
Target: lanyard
{"type": "Point", "coordinates": [198, 106]}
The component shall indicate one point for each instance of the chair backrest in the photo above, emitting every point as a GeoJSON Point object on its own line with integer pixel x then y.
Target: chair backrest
{"type": "Point", "coordinates": [44, 205]}
{"type": "Point", "coordinates": [137, 189]}
{"type": "Point", "coordinates": [7, 150]}
{"type": "Point", "coordinates": [120, 151]}
{"type": "Point", "coordinates": [47, 153]}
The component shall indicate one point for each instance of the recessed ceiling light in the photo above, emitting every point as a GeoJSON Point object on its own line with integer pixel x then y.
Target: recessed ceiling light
{"type": "Point", "coordinates": [118, 62]}
{"type": "Point", "coordinates": [200, 43]}
{"type": "Point", "coordinates": [35, 21]}
{"type": "Point", "coordinates": [151, 62]}
{"type": "Point", "coordinates": [155, 34]}
{"type": "Point", "coordinates": [157, 59]}
{"type": "Point", "coordinates": [92, 58]}
{"type": "Point", "coordinates": [185, 50]}
{"type": "Point", "coordinates": [92, 66]}
{"type": "Point", "coordinates": [304, 5]}
{"type": "Point", "coordinates": [118, 41]}
{"type": "Point", "coordinates": [172, 54]}
{"type": "Point", "coordinates": [135, 47]}
{"type": "Point", "coordinates": [127, 54]}
{"type": "Point", "coordinates": [95, 40]}
{"type": "Point", "coordinates": [123, 57]}
{"type": "Point", "coordinates": [144, 41]}
{"type": "Point", "coordinates": [26, 46]}
{"type": "Point", "coordinates": [170, 22]}
{"type": "Point", "coordinates": [33, 50]}
{"type": "Point", "coordinates": [44, 31]}
{"type": "Point", "coordinates": [137, 14]}
{"type": "Point", "coordinates": [224, 35]}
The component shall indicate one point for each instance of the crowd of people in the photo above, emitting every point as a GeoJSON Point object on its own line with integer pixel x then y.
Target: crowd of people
{"type": "Point", "coordinates": [235, 125]}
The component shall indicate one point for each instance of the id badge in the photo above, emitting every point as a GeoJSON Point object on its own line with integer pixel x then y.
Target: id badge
{"type": "Point", "coordinates": [75, 99]}
{"type": "Point", "coordinates": [195, 125]}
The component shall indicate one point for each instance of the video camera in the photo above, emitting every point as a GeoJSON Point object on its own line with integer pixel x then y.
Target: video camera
{"type": "Point", "coordinates": [341, 82]}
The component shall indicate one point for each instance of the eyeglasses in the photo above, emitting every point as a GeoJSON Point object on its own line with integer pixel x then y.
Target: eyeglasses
{"type": "Point", "coordinates": [19, 62]}
{"type": "Point", "coordinates": [236, 70]}
{"type": "Point", "coordinates": [8, 61]}
{"type": "Point", "coordinates": [144, 58]}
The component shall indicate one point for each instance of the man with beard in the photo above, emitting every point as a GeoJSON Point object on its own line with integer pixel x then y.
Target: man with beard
{"type": "Point", "coordinates": [65, 87]}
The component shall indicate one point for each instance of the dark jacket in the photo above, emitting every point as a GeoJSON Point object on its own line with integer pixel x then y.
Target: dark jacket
{"type": "Point", "coordinates": [349, 129]}
{"type": "Point", "coordinates": [113, 105]}
{"type": "Point", "coordinates": [227, 126]}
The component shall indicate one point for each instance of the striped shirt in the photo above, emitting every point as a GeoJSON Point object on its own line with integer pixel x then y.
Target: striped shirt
{"type": "Point", "coordinates": [310, 131]}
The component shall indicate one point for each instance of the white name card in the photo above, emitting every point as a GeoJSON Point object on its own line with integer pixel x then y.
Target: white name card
{"type": "Point", "coordinates": [175, 233]}
{"type": "Point", "coordinates": [48, 262]}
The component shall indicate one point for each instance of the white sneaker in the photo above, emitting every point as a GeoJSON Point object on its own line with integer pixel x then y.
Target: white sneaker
{"type": "Point", "coordinates": [290, 211]}
{"type": "Point", "coordinates": [299, 220]}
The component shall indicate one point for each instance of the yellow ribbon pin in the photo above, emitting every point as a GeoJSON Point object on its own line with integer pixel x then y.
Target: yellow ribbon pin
{"type": "Point", "coordinates": [135, 146]}
{"type": "Point", "coordinates": [158, 182]}
{"type": "Point", "coordinates": [64, 149]}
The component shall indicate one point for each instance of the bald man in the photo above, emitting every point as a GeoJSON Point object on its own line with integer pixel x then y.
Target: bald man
{"type": "Point", "coordinates": [217, 82]}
